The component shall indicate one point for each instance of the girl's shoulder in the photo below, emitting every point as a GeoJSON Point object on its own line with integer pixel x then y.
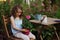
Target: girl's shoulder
{"type": "Point", "coordinates": [11, 17]}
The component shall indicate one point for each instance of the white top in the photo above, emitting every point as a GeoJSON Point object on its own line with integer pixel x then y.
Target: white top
{"type": "Point", "coordinates": [18, 23]}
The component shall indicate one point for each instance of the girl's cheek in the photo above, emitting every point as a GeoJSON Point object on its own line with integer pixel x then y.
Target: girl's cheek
{"type": "Point", "coordinates": [19, 13]}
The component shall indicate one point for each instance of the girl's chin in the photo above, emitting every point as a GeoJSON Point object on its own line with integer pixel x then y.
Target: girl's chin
{"type": "Point", "coordinates": [19, 14]}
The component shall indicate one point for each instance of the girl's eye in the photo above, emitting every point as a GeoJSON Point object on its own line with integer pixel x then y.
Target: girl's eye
{"type": "Point", "coordinates": [19, 12]}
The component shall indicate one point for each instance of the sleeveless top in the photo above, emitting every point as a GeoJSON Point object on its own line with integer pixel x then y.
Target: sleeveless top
{"type": "Point", "coordinates": [18, 24]}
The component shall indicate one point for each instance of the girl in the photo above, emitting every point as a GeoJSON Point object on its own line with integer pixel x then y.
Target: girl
{"type": "Point", "coordinates": [16, 22]}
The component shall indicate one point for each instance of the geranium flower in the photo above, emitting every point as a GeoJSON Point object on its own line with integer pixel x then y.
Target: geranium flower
{"type": "Point", "coordinates": [28, 17]}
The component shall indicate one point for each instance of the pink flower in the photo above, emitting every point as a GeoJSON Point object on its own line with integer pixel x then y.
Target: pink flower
{"type": "Point", "coordinates": [42, 4]}
{"type": "Point", "coordinates": [28, 17]}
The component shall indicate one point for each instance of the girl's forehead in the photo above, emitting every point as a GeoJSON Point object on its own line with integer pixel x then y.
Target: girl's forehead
{"type": "Point", "coordinates": [19, 10]}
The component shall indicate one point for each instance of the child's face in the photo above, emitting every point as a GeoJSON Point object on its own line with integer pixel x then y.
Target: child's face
{"type": "Point", "coordinates": [19, 12]}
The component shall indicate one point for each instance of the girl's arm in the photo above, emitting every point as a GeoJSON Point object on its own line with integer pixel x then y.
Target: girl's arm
{"type": "Point", "coordinates": [14, 26]}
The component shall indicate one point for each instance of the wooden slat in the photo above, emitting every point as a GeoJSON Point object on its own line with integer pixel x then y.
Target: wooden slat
{"type": "Point", "coordinates": [5, 25]}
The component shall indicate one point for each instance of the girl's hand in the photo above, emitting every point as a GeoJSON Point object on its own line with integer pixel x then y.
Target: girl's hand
{"type": "Point", "coordinates": [24, 30]}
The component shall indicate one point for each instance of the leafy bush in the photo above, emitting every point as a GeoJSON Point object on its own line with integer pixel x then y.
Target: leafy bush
{"type": "Point", "coordinates": [58, 13]}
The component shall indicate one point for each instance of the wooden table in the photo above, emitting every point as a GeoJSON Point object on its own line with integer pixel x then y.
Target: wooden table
{"type": "Point", "coordinates": [50, 21]}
